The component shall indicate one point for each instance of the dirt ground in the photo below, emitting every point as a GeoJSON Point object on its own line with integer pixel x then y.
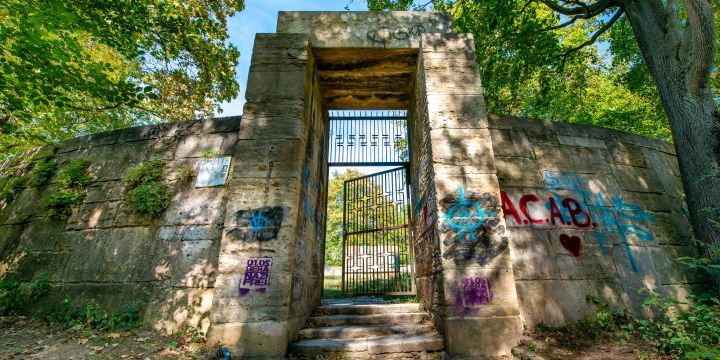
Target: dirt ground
{"type": "Point", "coordinates": [550, 347]}
{"type": "Point", "coordinates": [24, 338]}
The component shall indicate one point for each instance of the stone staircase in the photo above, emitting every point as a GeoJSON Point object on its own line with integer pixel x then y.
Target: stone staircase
{"type": "Point", "coordinates": [368, 329]}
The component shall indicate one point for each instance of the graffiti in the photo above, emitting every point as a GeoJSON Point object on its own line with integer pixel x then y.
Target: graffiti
{"type": "Point", "coordinates": [584, 210]}
{"type": "Point", "coordinates": [261, 224]}
{"type": "Point", "coordinates": [466, 216]}
{"type": "Point", "coordinates": [384, 34]}
{"type": "Point", "coordinates": [257, 275]}
{"type": "Point", "coordinates": [258, 222]}
{"type": "Point", "coordinates": [572, 244]}
{"type": "Point", "coordinates": [476, 291]}
{"type": "Point", "coordinates": [471, 229]}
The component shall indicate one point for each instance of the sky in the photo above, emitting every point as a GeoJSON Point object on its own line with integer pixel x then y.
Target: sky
{"type": "Point", "coordinates": [261, 17]}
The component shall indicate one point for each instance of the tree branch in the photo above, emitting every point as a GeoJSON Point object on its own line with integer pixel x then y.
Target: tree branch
{"type": "Point", "coordinates": [596, 35]}
{"type": "Point", "coordinates": [587, 11]}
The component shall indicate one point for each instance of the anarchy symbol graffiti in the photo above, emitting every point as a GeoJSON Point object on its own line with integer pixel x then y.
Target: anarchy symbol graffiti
{"type": "Point", "coordinates": [466, 216]}
{"type": "Point", "coordinates": [258, 222]}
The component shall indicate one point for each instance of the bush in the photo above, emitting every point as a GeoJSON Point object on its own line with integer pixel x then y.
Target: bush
{"type": "Point", "coordinates": [12, 297]}
{"type": "Point", "coordinates": [689, 334]}
{"type": "Point", "coordinates": [10, 188]}
{"type": "Point", "coordinates": [185, 173]}
{"type": "Point", "coordinates": [144, 173]}
{"type": "Point", "coordinates": [75, 174]}
{"type": "Point", "coordinates": [41, 173]}
{"type": "Point", "coordinates": [150, 199]}
{"type": "Point", "coordinates": [93, 316]}
{"type": "Point", "coordinates": [59, 205]}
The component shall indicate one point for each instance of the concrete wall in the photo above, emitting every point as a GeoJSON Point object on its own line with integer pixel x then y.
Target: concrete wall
{"type": "Point", "coordinates": [106, 251]}
{"type": "Point", "coordinates": [593, 215]}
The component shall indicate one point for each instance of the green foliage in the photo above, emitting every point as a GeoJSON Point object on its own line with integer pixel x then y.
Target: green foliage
{"type": "Point", "coordinates": [59, 205]}
{"type": "Point", "coordinates": [527, 68]}
{"type": "Point", "coordinates": [151, 199]}
{"type": "Point", "coordinates": [531, 346]}
{"type": "Point", "coordinates": [185, 173]}
{"type": "Point", "coordinates": [12, 297]}
{"type": "Point", "coordinates": [75, 174]}
{"type": "Point", "coordinates": [144, 173]}
{"type": "Point", "coordinates": [92, 316]}
{"type": "Point", "coordinates": [41, 173]}
{"type": "Point", "coordinates": [145, 191]}
{"type": "Point", "coordinates": [690, 333]}
{"type": "Point", "coordinates": [75, 67]}
{"type": "Point", "coordinates": [10, 187]}
{"type": "Point", "coordinates": [72, 180]}
{"type": "Point", "coordinates": [208, 154]}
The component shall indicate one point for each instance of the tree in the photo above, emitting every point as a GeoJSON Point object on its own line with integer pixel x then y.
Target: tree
{"type": "Point", "coordinates": [76, 66]}
{"type": "Point", "coordinates": [670, 42]}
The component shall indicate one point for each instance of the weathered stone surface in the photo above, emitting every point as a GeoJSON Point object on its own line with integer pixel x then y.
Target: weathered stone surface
{"type": "Point", "coordinates": [518, 172]}
{"type": "Point", "coordinates": [456, 111]}
{"type": "Point", "coordinates": [582, 142]}
{"type": "Point", "coordinates": [492, 337]}
{"type": "Point", "coordinates": [533, 256]}
{"type": "Point", "coordinates": [575, 159]}
{"type": "Point", "coordinates": [624, 154]}
{"type": "Point", "coordinates": [511, 143]}
{"type": "Point", "coordinates": [202, 206]}
{"type": "Point", "coordinates": [363, 29]}
{"type": "Point", "coordinates": [162, 312]}
{"type": "Point", "coordinates": [264, 340]}
{"type": "Point", "coordinates": [636, 179]}
{"type": "Point", "coordinates": [39, 235]}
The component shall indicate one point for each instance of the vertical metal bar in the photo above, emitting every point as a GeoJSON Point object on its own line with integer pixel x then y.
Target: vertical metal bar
{"type": "Point", "coordinates": [344, 239]}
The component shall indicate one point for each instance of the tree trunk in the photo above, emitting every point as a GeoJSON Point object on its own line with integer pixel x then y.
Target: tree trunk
{"type": "Point", "coordinates": [672, 55]}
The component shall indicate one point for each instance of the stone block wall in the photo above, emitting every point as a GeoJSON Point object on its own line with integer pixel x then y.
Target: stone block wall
{"type": "Point", "coordinates": [270, 269]}
{"type": "Point", "coordinates": [463, 255]}
{"type": "Point", "coordinates": [105, 250]}
{"type": "Point", "coordinates": [593, 215]}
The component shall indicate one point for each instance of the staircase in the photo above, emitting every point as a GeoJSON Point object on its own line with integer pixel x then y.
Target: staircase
{"type": "Point", "coordinates": [368, 328]}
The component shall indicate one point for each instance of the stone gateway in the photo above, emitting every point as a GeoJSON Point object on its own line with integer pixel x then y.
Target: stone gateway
{"type": "Point", "coordinates": [515, 222]}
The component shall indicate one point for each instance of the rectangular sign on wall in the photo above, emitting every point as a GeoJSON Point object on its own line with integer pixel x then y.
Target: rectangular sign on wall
{"type": "Point", "coordinates": [212, 172]}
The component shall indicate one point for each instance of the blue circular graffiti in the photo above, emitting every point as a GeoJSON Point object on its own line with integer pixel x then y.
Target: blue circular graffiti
{"type": "Point", "coordinates": [258, 222]}
{"type": "Point", "coordinates": [466, 216]}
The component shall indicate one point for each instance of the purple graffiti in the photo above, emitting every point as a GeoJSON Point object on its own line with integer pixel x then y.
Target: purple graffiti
{"type": "Point", "coordinates": [476, 291]}
{"type": "Point", "coordinates": [257, 276]}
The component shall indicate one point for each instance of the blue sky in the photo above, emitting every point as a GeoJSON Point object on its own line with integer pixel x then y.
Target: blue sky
{"type": "Point", "coordinates": [261, 17]}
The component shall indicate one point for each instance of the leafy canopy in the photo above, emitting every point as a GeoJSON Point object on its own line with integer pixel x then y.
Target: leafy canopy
{"type": "Point", "coordinates": [537, 63]}
{"type": "Point", "coordinates": [70, 67]}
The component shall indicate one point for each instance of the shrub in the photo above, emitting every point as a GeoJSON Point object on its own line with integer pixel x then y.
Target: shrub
{"type": "Point", "coordinates": [12, 297]}
{"type": "Point", "coordinates": [151, 198]}
{"type": "Point", "coordinates": [185, 173]}
{"type": "Point", "coordinates": [75, 174]}
{"type": "Point", "coordinates": [688, 334]}
{"type": "Point", "coordinates": [144, 173]}
{"type": "Point", "coordinates": [41, 173]}
{"type": "Point", "coordinates": [92, 316]}
{"type": "Point", "coordinates": [72, 179]}
{"type": "Point", "coordinates": [59, 205]}
{"type": "Point", "coordinates": [10, 188]}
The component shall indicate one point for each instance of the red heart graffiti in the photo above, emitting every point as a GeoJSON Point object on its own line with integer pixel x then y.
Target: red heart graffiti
{"type": "Point", "coordinates": [573, 244]}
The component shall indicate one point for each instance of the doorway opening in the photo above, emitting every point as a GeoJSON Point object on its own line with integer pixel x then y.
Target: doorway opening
{"type": "Point", "coordinates": [368, 240]}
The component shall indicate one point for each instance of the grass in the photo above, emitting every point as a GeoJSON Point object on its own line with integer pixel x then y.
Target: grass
{"type": "Point", "coordinates": [332, 288]}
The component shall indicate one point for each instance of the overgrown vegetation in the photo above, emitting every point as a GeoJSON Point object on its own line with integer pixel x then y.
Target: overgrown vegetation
{"type": "Point", "coordinates": [94, 317]}
{"type": "Point", "coordinates": [13, 297]}
{"type": "Point", "coordinates": [42, 172]}
{"type": "Point", "coordinates": [72, 181]}
{"type": "Point", "coordinates": [146, 192]}
{"type": "Point", "coordinates": [10, 187]}
{"type": "Point", "coordinates": [185, 173]}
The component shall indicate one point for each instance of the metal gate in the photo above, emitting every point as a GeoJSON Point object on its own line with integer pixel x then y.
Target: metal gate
{"type": "Point", "coordinates": [377, 244]}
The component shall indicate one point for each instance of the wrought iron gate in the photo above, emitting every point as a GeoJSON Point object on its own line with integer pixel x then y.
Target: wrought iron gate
{"type": "Point", "coordinates": [377, 244]}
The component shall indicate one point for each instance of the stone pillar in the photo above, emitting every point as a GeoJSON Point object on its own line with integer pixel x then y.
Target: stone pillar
{"type": "Point", "coordinates": [479, 306]}
{"type": "Point", "coordinates": [251, 304]}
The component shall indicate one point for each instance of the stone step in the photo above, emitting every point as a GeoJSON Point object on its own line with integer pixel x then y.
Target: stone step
{"type": "Point", "coordinates": [363, 331]}
{"type": "Point", "coordinates": [353, 348]}
{"type": "Point", "coordinates": [366, 309]}
{"type": "Point", "coordinates": [372, 319]}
